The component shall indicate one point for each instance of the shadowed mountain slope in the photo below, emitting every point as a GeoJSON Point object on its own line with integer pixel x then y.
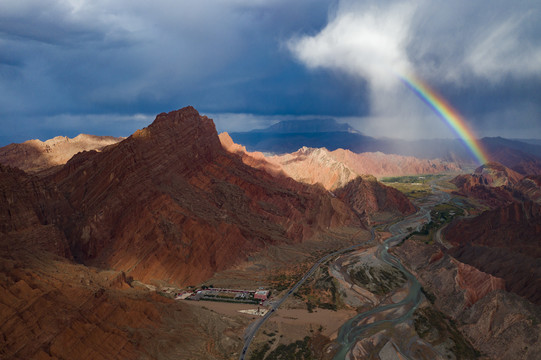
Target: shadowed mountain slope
{"type": "Point", "coordinates": [504, 242]}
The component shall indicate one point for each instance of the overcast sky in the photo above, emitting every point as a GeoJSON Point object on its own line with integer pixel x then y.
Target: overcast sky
{"type": "Point", "coordinates": [108, 67]}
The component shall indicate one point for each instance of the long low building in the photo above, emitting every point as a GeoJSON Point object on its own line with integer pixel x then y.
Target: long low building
{"type": "Point", "coordinates": [226, 295]}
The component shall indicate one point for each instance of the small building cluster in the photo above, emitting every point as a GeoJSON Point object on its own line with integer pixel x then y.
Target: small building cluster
{"type": "Point", "coordinates": [227, 295]}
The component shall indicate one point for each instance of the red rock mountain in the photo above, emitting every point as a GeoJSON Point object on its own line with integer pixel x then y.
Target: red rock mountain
{"type": "Point", "coordinates": [35, 155]}
{"type": "Point", "coordinates": [367, 197]}
{"type": "Point", "coordinates": [170, 203]}
{"type": "Point", "coordinates": [506, 243]}
{"type": "Point", "coordinates": [491, 183]}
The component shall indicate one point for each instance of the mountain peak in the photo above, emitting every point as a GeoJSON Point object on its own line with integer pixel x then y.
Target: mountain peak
{"type": "Point", "coordinates": [308, 126]}
{"type": "Point", "coordinates": [496, 174]}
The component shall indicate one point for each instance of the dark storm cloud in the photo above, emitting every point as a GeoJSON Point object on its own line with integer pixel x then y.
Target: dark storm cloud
{"type": "Point", "coordinates": [128, 57]}
{"type": "Point", "coordinates": [74, 64]}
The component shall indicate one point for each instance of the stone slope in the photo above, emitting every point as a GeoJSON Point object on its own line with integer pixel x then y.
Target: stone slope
{"type": "Point", "coordinates": [368, 197]}
{"type": "Point", "coordinates": [51, 308]}
{"type": "Point", "coordinates": [35, 155]}
{"type": "Point", "coordinates": [529, 188]}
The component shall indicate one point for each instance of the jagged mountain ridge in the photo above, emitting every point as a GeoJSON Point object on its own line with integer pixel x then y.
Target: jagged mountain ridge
{"type": "Point", "coordinates": [496, 185]}
{"type": "Point", "coordinates": [170, 203]}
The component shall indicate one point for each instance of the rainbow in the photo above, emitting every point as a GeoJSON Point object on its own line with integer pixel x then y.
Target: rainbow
{"type": "Point", "coordinates": [448, 114]}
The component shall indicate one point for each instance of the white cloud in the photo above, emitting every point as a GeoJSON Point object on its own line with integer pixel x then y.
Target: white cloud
{"type": "Point", "coordinates": [447, 43]}
{"type": "Point", "coordinates": [501, 50]}
{"type": "Point", "coordinates": [369, 42]}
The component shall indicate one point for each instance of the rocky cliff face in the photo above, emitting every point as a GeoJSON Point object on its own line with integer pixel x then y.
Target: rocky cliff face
{"type": "Point", "coordinates": [31, 213]}
{"type": "Point", "coordinates": [529, 188]}
{"type": "Point", "coordinates": [35, 155]}
{"type": "Point", "coordinates": [367, 197]}
{"type": "Point", "coordinates": [315, 166]}
{"type": "Point", "coordinates": [504, 242]}
{"type": "Point", "coordinates": [170, 203]}
{"type": "Point", "coordinates": [491, 183]}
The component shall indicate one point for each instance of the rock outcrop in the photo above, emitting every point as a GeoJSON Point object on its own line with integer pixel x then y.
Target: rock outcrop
{"type": "Point", "coordinates": [254, 159]}
{"type": "Point", "coordinates": [491, 183]}
{"type": "Point", "coordinates": [368, 197]}
{"type": "Point", "coordinates": [506, 243]}
{"type": "Point", "coordinates": [529, 188]}
{"type": "Point", "coordinates": [35, 155]}
{"type": "Point", "coordinates": [477, 284]}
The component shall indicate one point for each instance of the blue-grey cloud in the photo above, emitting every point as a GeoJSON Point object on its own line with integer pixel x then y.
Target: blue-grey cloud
{"type": "Point", "coordinates": [79, 59]}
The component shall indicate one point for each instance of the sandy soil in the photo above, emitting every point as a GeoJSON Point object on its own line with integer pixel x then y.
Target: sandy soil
{"type": "Point", "coordinates": [229, 309]}
{"type": "Point", "coordinates": [328, 319]}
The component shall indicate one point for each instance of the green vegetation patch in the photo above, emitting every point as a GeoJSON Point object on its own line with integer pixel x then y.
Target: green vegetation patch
{"type": "Point", "coordinates": [434, 327]}
{"type": "Point", "coordinates": [441, 215]}
{"type": "Point", "coordinates": [412, 179]}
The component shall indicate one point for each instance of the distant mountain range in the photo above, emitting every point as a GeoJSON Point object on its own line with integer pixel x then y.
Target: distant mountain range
{"type": "Point", "coordinates": [308, 126]}
{"type": "Point", "coordinates": [289, 136]}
